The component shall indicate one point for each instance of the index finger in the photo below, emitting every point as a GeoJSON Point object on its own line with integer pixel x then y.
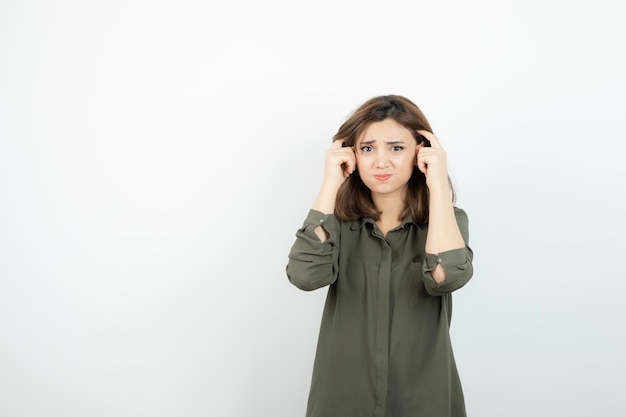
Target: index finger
{"type": "Point", "coordinates": [338, 144]}
{"type": "Point", "coordinates": [434, 142]}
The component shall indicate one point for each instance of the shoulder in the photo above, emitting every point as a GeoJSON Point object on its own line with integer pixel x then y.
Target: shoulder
{"type": "Point", "coordinates": [458, 211]}
{"type": "Point", "coordinates": [462, 221]}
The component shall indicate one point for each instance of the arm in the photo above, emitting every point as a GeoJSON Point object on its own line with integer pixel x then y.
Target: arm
{"type": "Point", "coordinates": [313, 263]}
{"type": "Point", "coordinates": [313, 258]}
{"type": "Point", "coordinates": [443, 230]}
{"type": "Point", "coordinates": [448, 260]}
{"type": "Point", "coordinates": [325, 204]}
{"type": "Point", "coordinates": [339, 164]}
{"type": "Point", "coordinates": [456, 264]}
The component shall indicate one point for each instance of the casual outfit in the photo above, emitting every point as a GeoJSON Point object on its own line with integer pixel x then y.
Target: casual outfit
{"type": "Point", "coordinates": [384, 344]}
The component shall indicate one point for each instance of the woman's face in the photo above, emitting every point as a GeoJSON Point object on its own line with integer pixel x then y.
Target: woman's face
{"type": "Point", "coordinates": [385, 157]}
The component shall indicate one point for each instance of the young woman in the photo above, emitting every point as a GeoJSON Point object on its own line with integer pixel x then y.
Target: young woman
{"type": "Point", "coordinates": [384, 235]}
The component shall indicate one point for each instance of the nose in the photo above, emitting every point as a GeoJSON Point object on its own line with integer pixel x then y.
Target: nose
{"type": "Point", "coordinates": [382, 159]}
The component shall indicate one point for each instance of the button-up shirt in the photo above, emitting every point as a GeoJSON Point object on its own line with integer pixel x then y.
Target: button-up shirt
{"type": "Point", "coordinates": [384, 344]}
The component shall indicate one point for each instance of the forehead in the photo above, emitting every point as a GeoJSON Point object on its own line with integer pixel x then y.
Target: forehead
{"type": "Point", "coordinates": [386, 130]}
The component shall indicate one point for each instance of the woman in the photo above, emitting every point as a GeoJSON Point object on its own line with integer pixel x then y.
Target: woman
{"type": "Point", "coordinates": [384, 235]}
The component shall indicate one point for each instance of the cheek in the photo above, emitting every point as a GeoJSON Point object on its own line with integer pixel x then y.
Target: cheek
{"type": "Point", "coordinates": [408, 161]}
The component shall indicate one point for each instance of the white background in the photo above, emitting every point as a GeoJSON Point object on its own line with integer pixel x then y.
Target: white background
{"type": "Point", "coordinates": [156, 159]}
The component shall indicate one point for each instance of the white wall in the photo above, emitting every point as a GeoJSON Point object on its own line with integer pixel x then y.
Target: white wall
{"type": "Point", "coordinates": [156, 159]}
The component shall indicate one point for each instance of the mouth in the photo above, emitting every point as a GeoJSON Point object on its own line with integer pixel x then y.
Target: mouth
{"type": "Point", "coordinates": [382, 177]}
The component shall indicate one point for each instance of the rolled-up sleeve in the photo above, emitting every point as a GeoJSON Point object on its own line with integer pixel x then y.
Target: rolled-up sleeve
{"type": "Point", "coordinates": [457, 263]}
{"type": "Point", "coordinates": [313, 264]}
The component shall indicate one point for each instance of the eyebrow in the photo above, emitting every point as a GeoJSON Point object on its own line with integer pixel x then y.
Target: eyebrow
{"type": "Point", "coordinates": [392, 142]}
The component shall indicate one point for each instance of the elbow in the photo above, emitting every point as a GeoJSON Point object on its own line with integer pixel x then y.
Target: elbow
{"type": "Point", "coordinates": [455, 278]}
{"type": "Point", "coordinates": [301, 282]}
{"type": "Point", "coordinates": [304, 285]}
{"type": "Point", "coordinates": [309, 280]}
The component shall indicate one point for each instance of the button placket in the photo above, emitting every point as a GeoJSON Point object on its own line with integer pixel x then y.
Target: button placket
{"type": "Point", "coordinates": [382, 328]}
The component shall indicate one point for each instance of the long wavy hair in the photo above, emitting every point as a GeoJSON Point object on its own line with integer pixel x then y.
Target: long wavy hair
{"type": "Point", "coordinates": [354, 199]}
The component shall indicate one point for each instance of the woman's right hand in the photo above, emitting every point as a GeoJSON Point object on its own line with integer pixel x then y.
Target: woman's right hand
{"type": "Point", "coordinates": [340, 163]}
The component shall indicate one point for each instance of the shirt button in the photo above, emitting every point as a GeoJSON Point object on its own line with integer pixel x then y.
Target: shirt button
{"type": "Point", "coordinates": [439, 260]}
{"type": "Point", "coordinates": [321, 220]}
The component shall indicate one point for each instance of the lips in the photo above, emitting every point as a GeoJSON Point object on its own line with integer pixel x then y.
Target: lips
{"type": "Point", "coordinates": [382, 177]}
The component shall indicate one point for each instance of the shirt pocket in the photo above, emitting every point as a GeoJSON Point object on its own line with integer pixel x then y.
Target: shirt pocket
{"type": "Point", "coordinates": [416, 285]}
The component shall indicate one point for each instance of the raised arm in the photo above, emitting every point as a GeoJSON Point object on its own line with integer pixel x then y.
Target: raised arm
{"type": "Point", "coordinates": [313, 258]}
{"type": "Point", "coordinates": [338, 165]}
{"type": "Point", "coordinates": [444, 232]}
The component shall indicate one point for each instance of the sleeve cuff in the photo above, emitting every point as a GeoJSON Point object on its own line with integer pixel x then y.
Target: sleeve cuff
{"type": "Point", "coordinates": [457, 263]}
{"type": "Point", "coordinates": [452, 257]}
{"type": "Point", "coordinates": [317, 218]}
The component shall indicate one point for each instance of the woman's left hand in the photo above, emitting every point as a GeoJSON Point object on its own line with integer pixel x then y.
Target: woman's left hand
{"type": "Point", "coordinates": [432, 161]}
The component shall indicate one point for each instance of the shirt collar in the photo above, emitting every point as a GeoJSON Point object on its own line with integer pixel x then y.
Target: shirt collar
{"type": "Point", "coordinates": [360, 222]}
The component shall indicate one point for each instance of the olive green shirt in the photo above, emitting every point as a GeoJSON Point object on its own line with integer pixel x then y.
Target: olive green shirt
{"type": "Point", "coordinates": [384, 344]}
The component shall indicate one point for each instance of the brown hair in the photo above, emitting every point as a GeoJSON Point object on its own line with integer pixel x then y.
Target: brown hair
{"type": "Point", "coordinates": [354, 199]}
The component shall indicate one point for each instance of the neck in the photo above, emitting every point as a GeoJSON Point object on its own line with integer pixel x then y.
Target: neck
{"type": "Point", "coordinates": [390, 206]}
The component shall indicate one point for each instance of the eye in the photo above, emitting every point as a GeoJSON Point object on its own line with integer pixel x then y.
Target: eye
{"type": "Point", "coordinates": [366, 148]}
{"type": "Point", "coordinates": [397, 148]}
